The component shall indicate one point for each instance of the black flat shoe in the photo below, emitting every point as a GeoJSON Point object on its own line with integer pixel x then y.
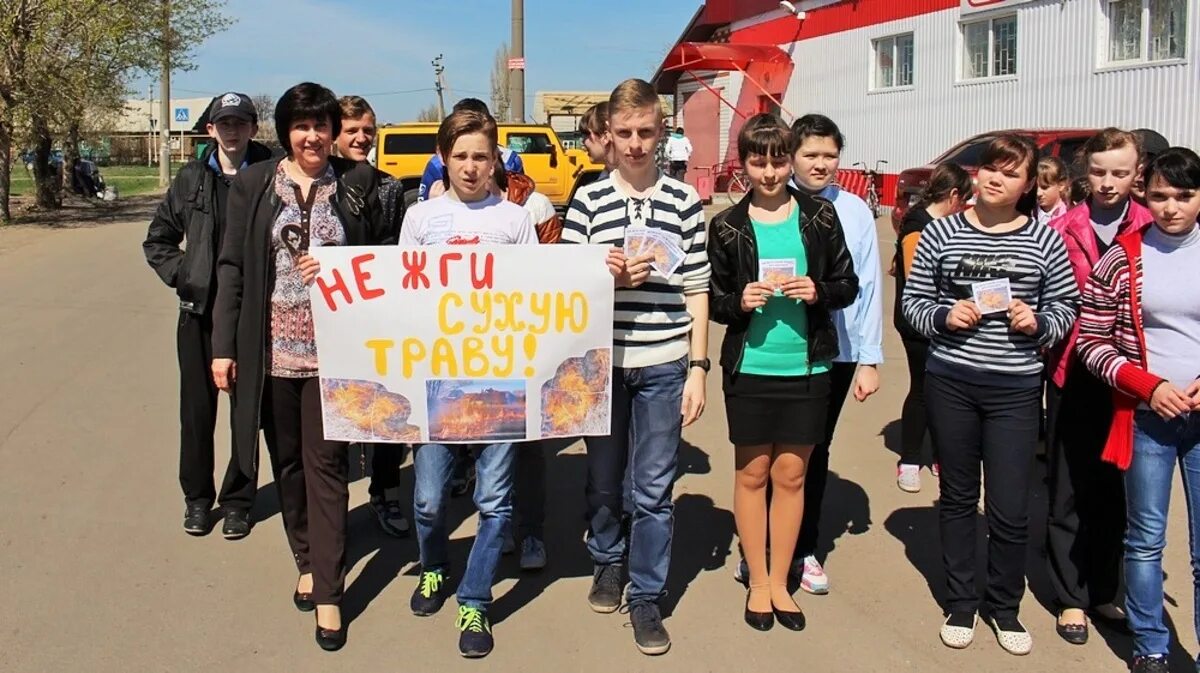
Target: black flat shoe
{"type": "Point", "coordinates": [1076, 634]}
{"type": "Point", "coordinates": [303, 602]}
{"type": "Point", "coordinates": [759, 621]}
{"type": "Point", "coordinates": [792, 621]}
{"type": "Point", "coordinates": [331, 640]}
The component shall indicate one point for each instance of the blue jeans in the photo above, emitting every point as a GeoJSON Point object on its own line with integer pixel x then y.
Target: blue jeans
{"type": "Point", "coordinates": [493, 498]}
{"type": "Point", "coordinates": [646, 424]}
{"type": "Point", "coordinates": [1157, 445]}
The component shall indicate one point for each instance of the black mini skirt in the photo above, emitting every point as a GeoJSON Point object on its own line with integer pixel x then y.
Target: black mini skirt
{"type": "Point", "coordinates": [776, 409]}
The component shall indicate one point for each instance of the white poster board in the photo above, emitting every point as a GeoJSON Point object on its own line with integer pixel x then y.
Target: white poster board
{"type": "Point", "coordinates": [463, 344]}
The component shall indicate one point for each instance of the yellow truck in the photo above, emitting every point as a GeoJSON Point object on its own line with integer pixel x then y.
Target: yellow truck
{"type": "Point", "coordinates": [403, 150]}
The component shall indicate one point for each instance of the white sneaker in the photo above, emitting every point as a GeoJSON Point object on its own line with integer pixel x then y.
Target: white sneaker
{"type": "Point", "coordinates": [958, 637]}
{"type": "Point", "coordinates": [1016, 640]}
{"type": "Point", "coordinates": [812, 577]}
{"type": "Point", "coordinates": [908, 478]}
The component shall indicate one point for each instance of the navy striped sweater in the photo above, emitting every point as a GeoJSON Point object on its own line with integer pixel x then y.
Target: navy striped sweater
{"type": "Point", "coordinates": [651, 322]}
{"type": "Point", "coordinates": [953, 255]}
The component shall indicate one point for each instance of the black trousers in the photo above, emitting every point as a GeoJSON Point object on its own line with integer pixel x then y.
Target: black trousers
{"type": "Point", "coordinates": [385, 467]}
{"type": "Point", "coordinates": [913, 416]}
{"type": "Point", "coordinates": [198, 420]}
{"type": "Point", "coordinates": [679, 169]}
{"type": "Point", "coordinates": [1086, 524]}
{"type": "Point", "coordinates": [973, 424]}
{"type": "Point", "coordinates": [529, 491]}
{"type": "Point", "coordinates": [311, 475]}
{"type": "Point", "coordinates": [841, 378]}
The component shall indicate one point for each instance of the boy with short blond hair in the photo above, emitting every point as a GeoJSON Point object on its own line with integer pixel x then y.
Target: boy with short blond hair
{"type": "Point", "coordinates": [660, 361]}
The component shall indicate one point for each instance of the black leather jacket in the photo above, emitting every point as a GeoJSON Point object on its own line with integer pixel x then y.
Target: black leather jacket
{"type": "Point", "coordinates": [189, 212]}
{"type": "Point", "coordinates": [733, 254]}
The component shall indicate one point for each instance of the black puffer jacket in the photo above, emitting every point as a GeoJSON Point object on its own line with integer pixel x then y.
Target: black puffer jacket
{"type": "Point", "coordinates": [733, 253]}
{"type": "Point", "coordinates": [189, 212]}
{"type": "Point", "coordinates": [244, 273]}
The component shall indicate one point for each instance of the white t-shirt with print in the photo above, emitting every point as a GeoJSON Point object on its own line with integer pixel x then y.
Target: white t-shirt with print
{"type": "Point", "coordinates": [448, 221]}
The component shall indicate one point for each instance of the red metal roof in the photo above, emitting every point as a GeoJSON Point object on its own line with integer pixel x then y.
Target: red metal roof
{"type": "Point", "coordinates": [709, 56]}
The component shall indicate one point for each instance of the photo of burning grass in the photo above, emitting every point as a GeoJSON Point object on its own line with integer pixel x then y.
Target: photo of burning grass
{"type": "Point", "coordinates": [575, 402]}
{"type": "Point", "coordinates": [476, 411]}
{"type": "Point", "coordinates": [365, 411]}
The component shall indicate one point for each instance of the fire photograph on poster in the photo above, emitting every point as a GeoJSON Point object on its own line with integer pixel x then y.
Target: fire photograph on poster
{"type": "Point", "coordinates": [364, 411]}
{"type": "Point", "coordinates": [476, 410]}
{"type": "Point", "coordinates": [575, 401]}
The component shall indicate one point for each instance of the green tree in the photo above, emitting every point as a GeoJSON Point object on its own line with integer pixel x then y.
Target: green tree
{"type": "Point", "coordinates": [63, 61]}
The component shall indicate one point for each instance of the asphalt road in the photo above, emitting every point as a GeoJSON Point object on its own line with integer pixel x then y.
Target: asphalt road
{"type": "Point", "coordinates": [97, 574]}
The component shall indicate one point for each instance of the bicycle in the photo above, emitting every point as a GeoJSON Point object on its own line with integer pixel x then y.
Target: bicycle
{"type": "Point", "coordinates": [874, 184]}
{"type": "Point", "coordinates": [734, 177]}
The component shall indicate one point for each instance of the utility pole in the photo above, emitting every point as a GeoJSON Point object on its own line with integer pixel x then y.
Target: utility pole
{"type": "Point", "coordinates": [164, 110]}
{"type": "Point", "coordinates": [150, 115]}
{"type": "Point", "coordinates": [438, 69]}
{"type": "Point", "coordinates": [517, 75]}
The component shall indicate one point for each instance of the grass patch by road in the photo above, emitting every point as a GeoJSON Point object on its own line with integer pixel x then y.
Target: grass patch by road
{"type": "Point", "coordinates": [129, 180]}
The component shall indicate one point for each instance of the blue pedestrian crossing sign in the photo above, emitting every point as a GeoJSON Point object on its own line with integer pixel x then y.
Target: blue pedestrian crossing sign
{"type": "Point", "coordinates": [181, 114]}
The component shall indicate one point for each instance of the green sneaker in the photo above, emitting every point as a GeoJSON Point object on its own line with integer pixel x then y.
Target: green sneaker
{"type": "Point", "coordinates": [430, 593]}
{"type": "Point", "coordinates": [476, 638]}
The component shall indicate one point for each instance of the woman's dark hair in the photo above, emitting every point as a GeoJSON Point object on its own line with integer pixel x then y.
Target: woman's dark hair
{"type": "Point", "coordinates": [816, 125]}
{"type": "Point", "coordinates": [766, 135]}
{"type": "Point", "coordinates": [306, 100]}
{"type": "Point", "coordinates": [946, 178]}
{"type": "Point", "coordinates": [1179, 167]}
{"type": "Point", "coordinates": [1011, 149]}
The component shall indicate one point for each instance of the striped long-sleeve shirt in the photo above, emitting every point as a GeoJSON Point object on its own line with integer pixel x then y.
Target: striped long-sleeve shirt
{"type": "Point", "coordinates": [1111, 341]}
{"type": "Point", "coordinates": [651, 322]}
{"type": "Point", "coordinates": [951, 257]}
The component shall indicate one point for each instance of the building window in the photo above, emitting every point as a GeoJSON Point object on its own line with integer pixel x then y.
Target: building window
{"type": "Point", "coordinates": [893, 61]}
{"type": "Point", "coordinates": [989, 48]}
{"type": "Point", "coordinates": [1142, 31]}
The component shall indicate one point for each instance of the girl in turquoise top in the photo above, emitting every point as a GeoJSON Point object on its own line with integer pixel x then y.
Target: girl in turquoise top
{"type": "Point", "coordinates": [779, 266]}
{"type": "Point", "coordinates": [777, 341]}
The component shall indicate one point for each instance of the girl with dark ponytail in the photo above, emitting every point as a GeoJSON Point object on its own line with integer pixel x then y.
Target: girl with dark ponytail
{"type": "Point", "coordinates": [949, 189]}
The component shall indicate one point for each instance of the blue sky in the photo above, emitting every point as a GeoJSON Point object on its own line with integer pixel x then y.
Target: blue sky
{"type": "Point", "coordinates": [382, 48]}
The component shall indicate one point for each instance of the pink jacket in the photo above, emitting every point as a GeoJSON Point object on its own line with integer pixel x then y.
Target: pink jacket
{"type": "Point", "coordinates": [1076, 229]}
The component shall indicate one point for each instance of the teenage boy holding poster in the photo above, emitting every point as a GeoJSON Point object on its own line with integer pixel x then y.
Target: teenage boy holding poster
{"type": "Point", "coordinates": [655, 225]}
{"type": "Point", "coordinates": [468, 214]}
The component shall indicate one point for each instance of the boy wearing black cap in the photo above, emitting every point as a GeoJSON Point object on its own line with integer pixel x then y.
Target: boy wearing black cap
{"type": "Point", "coordinates": [194, 211]}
